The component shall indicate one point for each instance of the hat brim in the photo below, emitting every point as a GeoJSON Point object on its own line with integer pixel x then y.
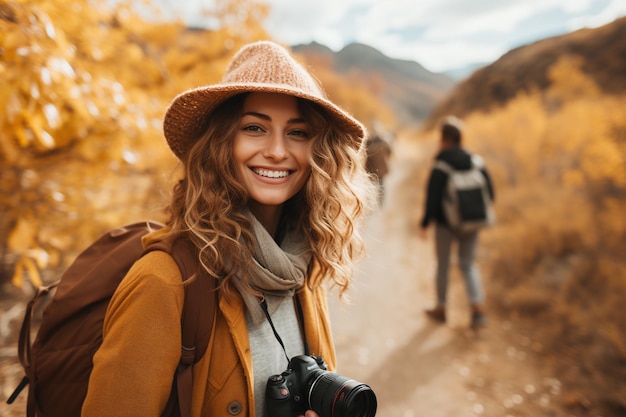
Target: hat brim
{"type": "Point", "coordinates": [185, 118]}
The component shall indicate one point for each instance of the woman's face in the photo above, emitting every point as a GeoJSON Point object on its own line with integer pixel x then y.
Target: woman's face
{"type": "Point", "coordinates": [272, 149]}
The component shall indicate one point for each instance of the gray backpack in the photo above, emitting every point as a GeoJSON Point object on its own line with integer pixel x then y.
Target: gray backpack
{"type": "Point", "coordinates": [467, 204]}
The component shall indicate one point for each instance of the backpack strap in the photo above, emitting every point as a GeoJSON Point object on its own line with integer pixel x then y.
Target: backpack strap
{"type": "Point", "coordinates": [477, 161]}
{"type": "Point", "coordinates": [24, 344]}
{"type": "Point", "coordinates": [443, 166]}
{"type": "Point", "coordinates": [24, 348]}
{"type": "Point", "coordinates": [197, 320]}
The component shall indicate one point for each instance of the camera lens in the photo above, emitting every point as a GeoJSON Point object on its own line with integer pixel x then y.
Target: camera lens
{"type": "Point", "coordinates": [333, 395]}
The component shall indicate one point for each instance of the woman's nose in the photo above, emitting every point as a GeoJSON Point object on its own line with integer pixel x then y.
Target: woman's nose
{"type": "Point", "coordinates": [276, 147]}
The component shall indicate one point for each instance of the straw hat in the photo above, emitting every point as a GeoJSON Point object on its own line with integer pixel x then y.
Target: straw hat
{"type": "Point", "coordinates": [262, 66]}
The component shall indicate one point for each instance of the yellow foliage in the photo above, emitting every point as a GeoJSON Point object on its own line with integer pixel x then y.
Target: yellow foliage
{"type": "Point", "coordinates": [568, 82]}
{"type": "Point", "coordinates": [564, 136]}
{"type": "Point", "coordinates": [21, 241]}
{"type": "Point", "coordinates": [22, 237]}
{"type": "Point", "coordinates": [26, 266]}
{"type": "Point", "coordinates": [602, 161]}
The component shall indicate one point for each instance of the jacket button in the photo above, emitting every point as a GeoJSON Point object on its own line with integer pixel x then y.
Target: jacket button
{"type": "Point", "coordinates": [234, 408]}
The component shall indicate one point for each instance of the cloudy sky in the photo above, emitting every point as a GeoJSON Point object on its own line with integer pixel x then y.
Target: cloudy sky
{"type": "Point", "coordinates": [439, 34]}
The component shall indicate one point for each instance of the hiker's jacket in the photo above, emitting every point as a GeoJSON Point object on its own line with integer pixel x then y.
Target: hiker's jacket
{"type": "Point", "coordinates": [459, 159]}
{"type": "Point", "coordinates": [134, 367]}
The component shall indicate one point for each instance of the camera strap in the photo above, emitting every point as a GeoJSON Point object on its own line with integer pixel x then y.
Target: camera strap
{"type": "Point", "coordinates": [300, 319]}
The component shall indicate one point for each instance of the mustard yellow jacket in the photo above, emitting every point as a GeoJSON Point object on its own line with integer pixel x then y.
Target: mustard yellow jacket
{"type": "Point", "coordinates": [133, 369]}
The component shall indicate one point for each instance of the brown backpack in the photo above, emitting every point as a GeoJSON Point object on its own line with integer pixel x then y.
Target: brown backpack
{"type": "Point", "coordinates": [59, 362]}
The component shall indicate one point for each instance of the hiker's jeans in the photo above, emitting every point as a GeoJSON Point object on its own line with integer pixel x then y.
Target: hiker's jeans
{"type": "Point", "coordinates": [444, 239]}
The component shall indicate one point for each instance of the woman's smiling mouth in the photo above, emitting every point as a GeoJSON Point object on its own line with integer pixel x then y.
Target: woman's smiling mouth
{"type": "Point", "coordinates": [268, 173]}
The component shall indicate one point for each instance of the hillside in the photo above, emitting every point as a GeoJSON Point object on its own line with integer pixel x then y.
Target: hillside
{"type": "Point", "coordinates": [603, 52]}
{"type": "Point", "coordinates": [405, 86]}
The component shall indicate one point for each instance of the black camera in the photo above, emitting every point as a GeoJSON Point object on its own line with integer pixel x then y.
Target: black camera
{"type": "Point", "coordinates": [307, 385]}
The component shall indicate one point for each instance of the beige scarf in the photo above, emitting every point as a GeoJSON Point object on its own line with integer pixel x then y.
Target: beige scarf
{"type": "Point", "coordinates": [277, 271]}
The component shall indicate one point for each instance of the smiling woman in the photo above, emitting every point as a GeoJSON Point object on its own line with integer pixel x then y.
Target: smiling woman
{"type": "Point", "coordinates": [273, 191]}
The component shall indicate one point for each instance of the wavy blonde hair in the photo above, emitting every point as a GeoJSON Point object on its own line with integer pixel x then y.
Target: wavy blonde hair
{"type": "Point", "coordinates": [207, 204]}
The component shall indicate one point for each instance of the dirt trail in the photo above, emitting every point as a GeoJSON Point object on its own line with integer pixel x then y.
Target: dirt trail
{"type": "Point", "coordinates": [417, 367]}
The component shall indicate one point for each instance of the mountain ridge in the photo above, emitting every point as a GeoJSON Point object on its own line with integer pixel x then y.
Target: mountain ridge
{"type": "Point", "coordinates": [421, 97]}
{"type": "Point", "coordinates": [602, 51]}
{"type": "Point", "coordinates": [406, 87]}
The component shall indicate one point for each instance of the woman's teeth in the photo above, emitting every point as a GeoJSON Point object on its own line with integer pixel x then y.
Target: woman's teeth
{"type": "Point", "coordinates": [271, 174]}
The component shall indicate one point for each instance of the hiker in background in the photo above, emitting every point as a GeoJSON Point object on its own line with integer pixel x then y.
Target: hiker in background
{"type": "Point", "coordinates": [452, 156]}
{"type": "Point", "coordinates": [273, 189]}
{"type": "Point", "coordinates": [378, 154]}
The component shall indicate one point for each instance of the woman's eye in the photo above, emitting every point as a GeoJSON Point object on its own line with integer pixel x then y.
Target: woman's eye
{"type": "Point", "coordinates": [253, 128]}
{"type": "Point", "coordinates": [301, 133]}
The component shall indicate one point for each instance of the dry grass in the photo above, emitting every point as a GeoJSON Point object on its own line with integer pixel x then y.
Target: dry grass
{"type": "Point", "coordinates": [561, 272]}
